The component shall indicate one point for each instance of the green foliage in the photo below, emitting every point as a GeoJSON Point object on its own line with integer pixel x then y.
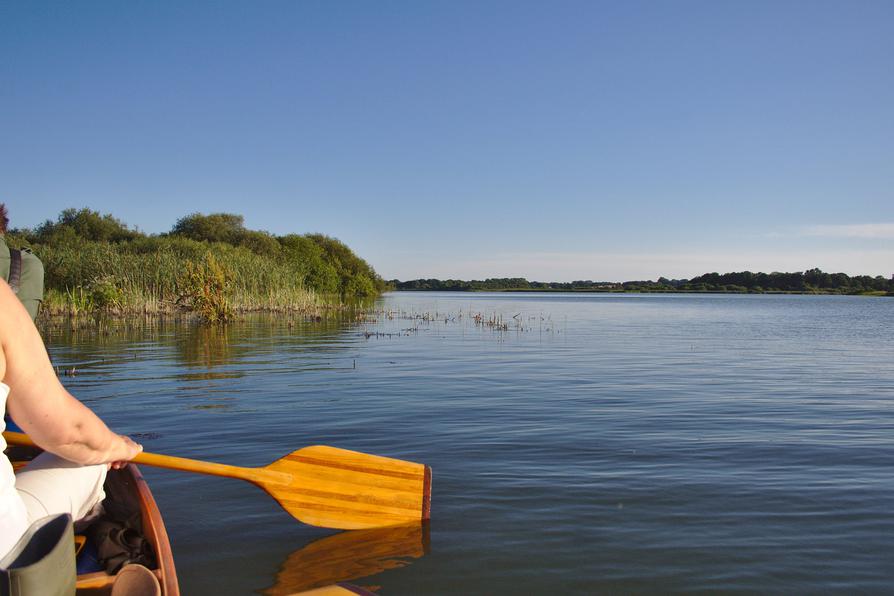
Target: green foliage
{"type": "Point", "coordinates": [228, 228]}
{"type": "Point", "coordinates": [114, 269]}
{"type": "Point", "coordinates": [323, 264]}
{"type": "Point", "coordinates": [18, 238]}
{"type": "Point", "coordinates": [315, 271]}
{"type": "Point", "coordinates": [106, 295]}
{"type": "Point", "coordinates": [356, 277]}
{"type": "Point", "coordinates": [812, 281]}
{"type": "Point", "coordinates": [78, 225]}
{"type": "Point", "coordinates": [204, 287]}
{"type": "Point", "coordinates": [217, 227]}
{"type": "Point", "coordinates": [78, 300]}
{"type": "Point", "coordinates": [260, 243]}
{"type": "Point", "coordinates": [360, 286]}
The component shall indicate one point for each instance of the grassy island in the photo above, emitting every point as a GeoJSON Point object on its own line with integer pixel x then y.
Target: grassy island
{"type": "Point", "coordinates": [207, 264]}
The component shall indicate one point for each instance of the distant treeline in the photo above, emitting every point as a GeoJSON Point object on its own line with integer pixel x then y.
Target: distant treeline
{"type": "Point", "coordinates": [96, 262]}
{"type": "Point", "coordinates": [812, 281]}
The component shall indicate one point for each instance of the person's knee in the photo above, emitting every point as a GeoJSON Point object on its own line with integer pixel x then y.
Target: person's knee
{"type": "Point", "coordinates": [51, 485]}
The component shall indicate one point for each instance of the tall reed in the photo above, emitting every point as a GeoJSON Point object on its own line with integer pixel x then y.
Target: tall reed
{"type": "Point", "coordinates": [164, 275]}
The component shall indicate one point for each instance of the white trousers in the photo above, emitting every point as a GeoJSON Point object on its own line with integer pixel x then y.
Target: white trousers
{"type": "Point", "coordinates": [46, 486]}
{"type": "Point", "coordinates": [49, 485]}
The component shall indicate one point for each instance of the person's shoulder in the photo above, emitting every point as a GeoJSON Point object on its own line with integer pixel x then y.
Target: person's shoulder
{"type": "Point", "coordinates": [32, 262]}
{"type": "Point", "coordinates": [27, 253]}
{"type": "Point", "coordinates": [29, 259]}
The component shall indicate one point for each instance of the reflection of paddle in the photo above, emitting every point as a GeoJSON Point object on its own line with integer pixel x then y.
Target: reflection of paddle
{"type": "Point", "coordinates": [349, 556]}
{"type": "Point", "coordinates": [336, 590]}
{"type": "Point", "coordinates": [323, 486]}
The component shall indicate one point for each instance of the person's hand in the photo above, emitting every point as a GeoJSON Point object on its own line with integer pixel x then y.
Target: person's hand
{"type": "Point", "coordinates": [129, 450]}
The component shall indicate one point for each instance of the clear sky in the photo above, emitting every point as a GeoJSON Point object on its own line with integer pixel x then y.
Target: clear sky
{"type": "Point", "coordinates": [549, 140]}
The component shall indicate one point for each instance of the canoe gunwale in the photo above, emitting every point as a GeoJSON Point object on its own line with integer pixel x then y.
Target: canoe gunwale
{"type": "Point", "coordinates": [155, 531]}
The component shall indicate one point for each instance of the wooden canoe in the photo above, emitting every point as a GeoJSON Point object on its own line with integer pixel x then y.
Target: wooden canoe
{"type": "Point", "coordinates": [129, 489]}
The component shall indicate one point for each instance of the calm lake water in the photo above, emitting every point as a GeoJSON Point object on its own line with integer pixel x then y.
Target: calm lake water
{"type": "Point", "coordinates": [579, 444]}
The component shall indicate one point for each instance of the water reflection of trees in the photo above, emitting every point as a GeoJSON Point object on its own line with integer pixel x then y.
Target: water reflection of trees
{"type": "Point", "coordinates": [205, 352]}
{"type": "Point", "coordinates": [215, 347]}
{"type": "Point", "coordinates": [209, 348]}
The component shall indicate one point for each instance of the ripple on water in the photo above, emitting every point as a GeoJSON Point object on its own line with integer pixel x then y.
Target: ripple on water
{"type": "Point", "coordinates": [597, 444]}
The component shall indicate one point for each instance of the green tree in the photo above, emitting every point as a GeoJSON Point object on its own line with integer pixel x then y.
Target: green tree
{"type": "Point", "coordinates": [349, 266]}
{"type": "Point", "coordinates": [310, 262]}
{"type": "Point", "coordinates": [75, 225]}
{"type": "Point", "coordinates": [260, 243]}
{"type": "Point", "coordinates": [216, 227]}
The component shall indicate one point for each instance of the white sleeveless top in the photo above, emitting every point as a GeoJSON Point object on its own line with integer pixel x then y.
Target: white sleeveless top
{"type": "Point", "coordinates": [13, 517]}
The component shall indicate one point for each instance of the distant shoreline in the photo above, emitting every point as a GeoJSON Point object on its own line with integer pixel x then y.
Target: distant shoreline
{"type": "Point", "coordinates": [622, 291]}
{"type": "Point", "coordinates": [812, 281]}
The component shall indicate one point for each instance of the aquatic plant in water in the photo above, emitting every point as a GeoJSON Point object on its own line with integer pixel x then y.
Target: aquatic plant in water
{"type": "Point", "coordinates": [204, 289]}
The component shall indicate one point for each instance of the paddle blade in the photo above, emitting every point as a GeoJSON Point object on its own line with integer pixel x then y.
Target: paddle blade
{"type": "Point", "coordinates": [348, 490]}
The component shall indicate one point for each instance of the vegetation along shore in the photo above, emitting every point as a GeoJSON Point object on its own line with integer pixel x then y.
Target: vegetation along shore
{"type": "Point", "coordinates": [210, 265]}
{"type": "Point", "coordinates": [812, 281]}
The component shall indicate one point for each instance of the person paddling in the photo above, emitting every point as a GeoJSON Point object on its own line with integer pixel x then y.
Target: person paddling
{"type": "Point", "coordinates": [78, 446]}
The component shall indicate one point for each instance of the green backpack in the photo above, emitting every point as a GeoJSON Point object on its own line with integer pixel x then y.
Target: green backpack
{"type": "Point", "coordinates": [24, 273]}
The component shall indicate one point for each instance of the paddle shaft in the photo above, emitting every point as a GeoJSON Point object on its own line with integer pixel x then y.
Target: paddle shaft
{"type": "Point", "coordinates": [171, 462]}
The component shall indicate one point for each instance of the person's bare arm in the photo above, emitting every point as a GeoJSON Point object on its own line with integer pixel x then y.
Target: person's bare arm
{"type": "Point", "coordinates": [38, 402]}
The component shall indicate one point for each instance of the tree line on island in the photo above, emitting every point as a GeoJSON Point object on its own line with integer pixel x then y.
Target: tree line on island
{"type": "Point", "coordinates": [807, 282]}
{"type": "Point", "coordinates": [210, 264]}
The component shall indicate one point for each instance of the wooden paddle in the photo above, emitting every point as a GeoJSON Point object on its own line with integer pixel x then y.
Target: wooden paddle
{"type": "Point", "coordinates": [323, 486]}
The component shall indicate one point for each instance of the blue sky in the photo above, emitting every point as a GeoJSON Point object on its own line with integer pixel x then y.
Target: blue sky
{"type": "Point", "coordinates": [549, 140]}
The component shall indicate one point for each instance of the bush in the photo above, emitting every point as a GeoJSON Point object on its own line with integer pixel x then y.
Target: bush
{"type": "Point", "coordinates": [106, 295]}
{"type": "Point", "coordinates": [204, 288]}
{"type": "Point", "coordinates": [75, 225]}
{"type": "Point", "coordinates": [217, 227]}
{"type": "Point", "coordinates": [348, 266]}
{"type": "Point", "coordinates": [210, 263]}
{"type": "Point", "coordinates": [260, 243]}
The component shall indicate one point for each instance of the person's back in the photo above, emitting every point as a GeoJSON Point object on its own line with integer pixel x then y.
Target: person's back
{"type": "Point", "coordinates": [22, 270]}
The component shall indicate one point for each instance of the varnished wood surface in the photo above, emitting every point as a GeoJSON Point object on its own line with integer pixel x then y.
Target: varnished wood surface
{"type": "Point", "coordinates": [91, 582]}
{"type": "Point", "coordinates": [155, 531]}
{"type": "Point", "coordinates": [337, 488]}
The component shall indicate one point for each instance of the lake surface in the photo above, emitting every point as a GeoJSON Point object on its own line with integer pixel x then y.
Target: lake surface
{"type": "Point", "coordinates": [579, 443]}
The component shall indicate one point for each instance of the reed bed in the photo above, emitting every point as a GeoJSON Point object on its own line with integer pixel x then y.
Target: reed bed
{"type": "Point", "coordinates": [158, 277]}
